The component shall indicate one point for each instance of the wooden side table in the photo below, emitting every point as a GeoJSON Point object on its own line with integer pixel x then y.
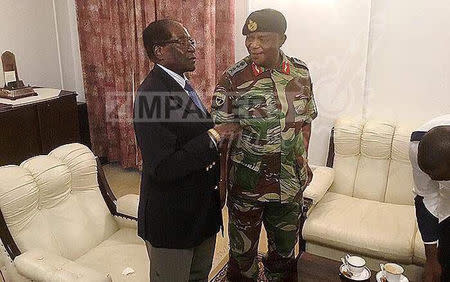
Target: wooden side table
{"type": "Point", "coordinates": [312, 268]}
{"type": "Point", "coordinates": [37, 128]}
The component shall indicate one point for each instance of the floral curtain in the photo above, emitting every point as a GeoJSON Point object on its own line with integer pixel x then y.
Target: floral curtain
{"type": "Point", "coordinates": [114, 61]}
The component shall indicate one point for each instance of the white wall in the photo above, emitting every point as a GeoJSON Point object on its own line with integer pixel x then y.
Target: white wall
{"type": "Point", "coordinates": [43, 35]}
{"type": "Point", "coordinates": [27, 28]}
{"type": "Point", "coordinates": [331, 36]}
{"type": "Point", "coordinates": [408, 73]}
{"type": "Point", "coordinates": [66, 16]}
{"type": "Point", "coordinates": [241, 13]}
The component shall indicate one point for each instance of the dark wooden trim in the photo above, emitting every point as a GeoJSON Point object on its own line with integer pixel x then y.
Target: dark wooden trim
{"type": "Point", "coordinates": [7, 239]}
{"type": "Point", "coordinates": [83, 124]}
{"type": "Point", "coordinates": [126, 216]}
{"type": "Point", "coordinates": [62, 93]}
{"type": "Point", "coordinates": [103, 160]}
{"type": "Point", "coordinates": [301, 240]}
{"type": "Point", "coordinates": [107, 194]}
{"type": "Point", "coordinates": [330, 159]}
{"type": "Point", "coordinates": [4, 107]}
{"type": "Point", "coordinates": [315, 268]}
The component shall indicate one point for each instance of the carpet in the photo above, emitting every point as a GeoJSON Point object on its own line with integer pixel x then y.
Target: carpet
{"type": "Point", "coordinates": [221, 276]}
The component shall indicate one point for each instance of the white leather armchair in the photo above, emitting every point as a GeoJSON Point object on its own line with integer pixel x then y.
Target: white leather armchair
{"type": "Point", "coordinates": [60, 222]}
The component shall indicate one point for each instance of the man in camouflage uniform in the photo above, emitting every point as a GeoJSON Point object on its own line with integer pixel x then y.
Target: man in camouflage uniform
{"type": "Point", "coordinates": [270, 95]}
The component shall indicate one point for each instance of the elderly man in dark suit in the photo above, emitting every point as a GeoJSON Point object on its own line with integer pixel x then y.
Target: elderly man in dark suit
{"type": "Point", "coordinates": [179, 208]}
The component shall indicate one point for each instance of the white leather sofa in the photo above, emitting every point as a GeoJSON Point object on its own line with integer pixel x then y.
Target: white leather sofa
{"type": "Point", "coordinates": [58, 225]}
{"type": "Point", "coordinates": [364, 204]}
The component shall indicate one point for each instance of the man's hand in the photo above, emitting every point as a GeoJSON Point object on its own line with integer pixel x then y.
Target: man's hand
{"type": "Point", "coordinates": [227, 131]}
{"type": "Point", "coordinates": [432, 270]}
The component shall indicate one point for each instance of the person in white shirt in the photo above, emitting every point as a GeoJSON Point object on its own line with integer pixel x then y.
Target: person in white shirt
{"type": "Point", "coordinates": [430, 158]}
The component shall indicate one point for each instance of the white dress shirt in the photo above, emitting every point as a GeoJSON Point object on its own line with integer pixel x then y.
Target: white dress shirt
{"type": "Point", "coordinates": [181, 80]}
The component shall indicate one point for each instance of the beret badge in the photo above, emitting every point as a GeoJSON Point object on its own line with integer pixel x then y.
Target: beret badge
{"type": "Point", "coordinates": [252, 26]}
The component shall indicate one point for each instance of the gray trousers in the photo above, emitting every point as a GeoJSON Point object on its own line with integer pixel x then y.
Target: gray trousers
{"type": "Point", "coordinates": [179, 265]}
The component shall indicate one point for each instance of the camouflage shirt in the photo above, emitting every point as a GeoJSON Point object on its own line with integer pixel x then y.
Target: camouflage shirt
{"type": "Point", "coordinates": [269, 161]}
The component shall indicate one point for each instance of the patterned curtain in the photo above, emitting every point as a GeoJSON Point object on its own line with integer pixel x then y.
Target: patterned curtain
{"type": "Point", "coordinates": [114, 61]}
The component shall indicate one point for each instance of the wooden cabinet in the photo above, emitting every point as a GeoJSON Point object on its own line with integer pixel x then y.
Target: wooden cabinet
{"type": "Point", "coordinates": [37, 128]}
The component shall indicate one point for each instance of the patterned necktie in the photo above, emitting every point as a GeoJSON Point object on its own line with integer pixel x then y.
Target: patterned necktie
{"type": "Point", "coordinates": [194, 97]}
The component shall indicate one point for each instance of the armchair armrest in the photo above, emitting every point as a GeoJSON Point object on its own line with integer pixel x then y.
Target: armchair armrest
{"type": "Point", "coordinates": [127, 210]}
{"type": "Point", "coordinates": [322, 179]}
{"type": "Point", "coordinates": [39, 265]}
{"type": "Point", "coordinates": [128, 205]}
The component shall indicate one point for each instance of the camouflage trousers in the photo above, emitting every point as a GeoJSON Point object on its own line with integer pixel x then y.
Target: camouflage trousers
{"type": "Point", "coordinates": [281, 222]}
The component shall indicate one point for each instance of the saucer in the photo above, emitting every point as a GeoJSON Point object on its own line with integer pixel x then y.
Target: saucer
{"type": "Point", "coordinates": [380, 273]}
{"type": "Point", "coordinates": [364, 275]}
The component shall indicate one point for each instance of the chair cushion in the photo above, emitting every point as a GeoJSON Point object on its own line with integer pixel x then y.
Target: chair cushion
{"type": "Point", "coordinates": [363, 226]}
{"type": "Point", "coordinates": [123, 249]}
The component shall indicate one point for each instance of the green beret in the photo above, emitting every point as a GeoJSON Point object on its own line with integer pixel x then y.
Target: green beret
{"type": "Point", "coordinates": [265, 20]}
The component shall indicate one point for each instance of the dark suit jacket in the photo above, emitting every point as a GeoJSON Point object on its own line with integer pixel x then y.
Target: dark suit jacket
{"type": "Point", "coordinates": [179, 203]}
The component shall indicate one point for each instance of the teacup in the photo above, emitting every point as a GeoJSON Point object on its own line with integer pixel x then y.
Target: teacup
{"type": "Point", "coordinates": [355, 264]}
{"type": "Point", "coordinates": [392, 271]}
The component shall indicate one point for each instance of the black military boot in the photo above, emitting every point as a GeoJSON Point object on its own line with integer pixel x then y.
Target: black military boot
{"type": "Point", "coordinates": [280, 269]}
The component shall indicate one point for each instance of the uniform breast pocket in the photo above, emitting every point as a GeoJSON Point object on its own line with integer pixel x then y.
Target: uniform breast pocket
{"type": "Point", "coordinates": [251, 105]}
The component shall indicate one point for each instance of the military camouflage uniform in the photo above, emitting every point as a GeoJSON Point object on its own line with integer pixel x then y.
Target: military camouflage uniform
{"type": "Point", "coordinates": [269, 162]}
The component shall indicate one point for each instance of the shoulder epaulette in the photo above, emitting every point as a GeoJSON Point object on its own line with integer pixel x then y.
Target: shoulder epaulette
{"type": "Point", "coordinates": [237, 67]}
{"type": "Point", "coordinates": [298, 62]}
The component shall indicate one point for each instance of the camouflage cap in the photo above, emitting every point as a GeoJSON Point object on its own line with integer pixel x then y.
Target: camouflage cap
{"type": "Point", "coordinates": [265, 20]}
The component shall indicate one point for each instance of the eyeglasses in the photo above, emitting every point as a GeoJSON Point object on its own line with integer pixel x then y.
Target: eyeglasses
{"type": "Point", "coordinates": [185, 41]}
